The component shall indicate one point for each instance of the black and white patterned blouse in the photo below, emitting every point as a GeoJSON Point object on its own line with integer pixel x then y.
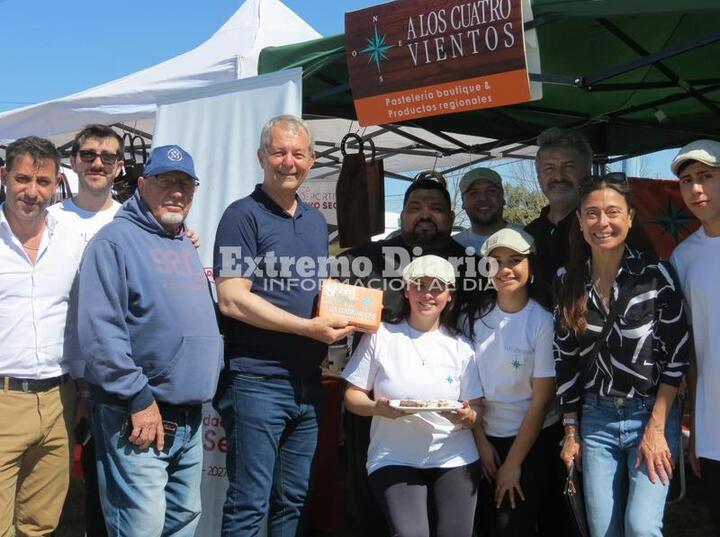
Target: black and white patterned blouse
{"type": "Point", "coordinates": [648, 343]}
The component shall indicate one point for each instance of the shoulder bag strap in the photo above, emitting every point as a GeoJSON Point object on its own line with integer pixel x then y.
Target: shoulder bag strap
{"type": "Point", "coordinates": [616, 307]}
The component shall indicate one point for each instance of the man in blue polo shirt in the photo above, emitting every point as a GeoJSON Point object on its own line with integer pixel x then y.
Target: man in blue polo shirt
{"type": "Point", "coordinates": [270, 254]}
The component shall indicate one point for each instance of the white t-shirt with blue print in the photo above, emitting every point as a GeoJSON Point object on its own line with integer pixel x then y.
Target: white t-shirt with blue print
{"type": "Point", "coordinates": [510, 350]}
{"type": "Point", "coordinates": [399, 362]}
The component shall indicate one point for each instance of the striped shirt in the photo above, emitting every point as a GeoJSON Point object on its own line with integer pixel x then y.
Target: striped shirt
{"type": "Point", "coordinates": [648, 343]}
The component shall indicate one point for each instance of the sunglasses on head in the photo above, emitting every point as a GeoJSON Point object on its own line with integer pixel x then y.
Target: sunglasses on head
{"type": "Point", "coordinates": [431, 175]}
{"type": "Point", "coordinates": [612, 178]}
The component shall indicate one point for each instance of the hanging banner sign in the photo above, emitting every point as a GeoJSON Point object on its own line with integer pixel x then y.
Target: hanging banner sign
{"type": "Point", "coordinates": [409, 59]}
{"type": "Point", "coordinates": [320, 193]}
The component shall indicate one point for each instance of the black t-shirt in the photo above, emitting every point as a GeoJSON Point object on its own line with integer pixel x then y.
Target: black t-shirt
{"type": "Point", "coordinates": [552, 247]}
{"type": "Point", "coordinates": [387, 259]}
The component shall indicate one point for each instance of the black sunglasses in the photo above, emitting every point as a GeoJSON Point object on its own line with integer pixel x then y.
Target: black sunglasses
{"type": "Point", "coordinates": [612, 178]}
{"type": "Point", "coordinates": [431, 175]}
{"type": "Point", "coordinates": [88, 156]}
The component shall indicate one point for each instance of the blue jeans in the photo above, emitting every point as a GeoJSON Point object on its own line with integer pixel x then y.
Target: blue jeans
{"type": "Point", "coordinates": [272, 429]}
{"type": "Point", "coordinates": [148, 493]}
{"type": "Point", "coordinates": [620, 499]}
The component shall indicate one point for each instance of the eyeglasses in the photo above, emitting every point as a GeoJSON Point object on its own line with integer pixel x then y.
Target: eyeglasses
{"type": "Point", "coordinates": [165, 182]}
{"type": "Point", "coordinates": [105, 157]}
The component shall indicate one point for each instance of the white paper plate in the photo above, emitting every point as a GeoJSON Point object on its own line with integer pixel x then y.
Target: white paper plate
{"type": "Point", "coordinates": [453, 405]}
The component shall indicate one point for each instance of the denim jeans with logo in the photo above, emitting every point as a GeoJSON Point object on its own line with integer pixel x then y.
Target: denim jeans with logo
{"type": "Point", "coordinates": [272, 429]}
{"type": "Point", "coordinates": [620, 499]}
{"type": "Point", "coordinates": [147, 493]}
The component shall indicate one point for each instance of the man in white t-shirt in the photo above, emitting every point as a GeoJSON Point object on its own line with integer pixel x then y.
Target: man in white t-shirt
{"type": "Point", "coordinates": [483, 198]}
{"type": "Point", "coordinates": [696, 259]}
{"type": "Point", "coordinates": [96, 157]}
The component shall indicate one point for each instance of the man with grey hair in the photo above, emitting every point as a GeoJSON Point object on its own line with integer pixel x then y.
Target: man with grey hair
{"type": "Point", "coordinates": [564, 157]}
{"type": "Point", "coordinates": [266, 249]}
{"type": "Point", "coordinates": [148, 343]}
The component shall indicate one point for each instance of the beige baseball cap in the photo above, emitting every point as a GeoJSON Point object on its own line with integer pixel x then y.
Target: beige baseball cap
{"type": "Point", "coordinates": [705, 151]}
{"type": "Point", "coordinates": [479, 174]}
{"type": "Point", "coordinates": [429, 266]}
{"type": "Point", "coordinates": [515, 239]}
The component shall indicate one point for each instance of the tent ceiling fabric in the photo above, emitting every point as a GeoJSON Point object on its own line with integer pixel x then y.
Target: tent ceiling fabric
{"type": "Point", "coordinates": [408, 150]}
{"type": "Point", "coordinates": [592, 56]}
{"type": "Point", "coordinates": [230, 53]}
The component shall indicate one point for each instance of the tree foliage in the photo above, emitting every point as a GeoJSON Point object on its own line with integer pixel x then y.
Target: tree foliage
{"type": "Point", "coordinates": [523, 197]}
{"type": "Point", "coordinates": [522, 205]}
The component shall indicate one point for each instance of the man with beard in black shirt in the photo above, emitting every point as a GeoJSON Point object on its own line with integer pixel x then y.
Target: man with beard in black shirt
{"type": "Point", "coordinates": [564, 157]}
{"type": "Point", "coordinates": [425, 224]}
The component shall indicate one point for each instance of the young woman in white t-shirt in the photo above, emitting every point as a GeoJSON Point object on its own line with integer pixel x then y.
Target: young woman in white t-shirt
{"type": "Point", "coordinates": [518, 436]}
{"type": "Point", "coordinates": [428, 458]}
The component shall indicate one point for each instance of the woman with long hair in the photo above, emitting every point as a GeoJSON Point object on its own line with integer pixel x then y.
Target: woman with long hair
{"type": "Point", "coordinates": [519, 431]}
{"type": "Point", "coordinates": [428, 460]}
{"type": "Point", "coordinates": [621, 342]}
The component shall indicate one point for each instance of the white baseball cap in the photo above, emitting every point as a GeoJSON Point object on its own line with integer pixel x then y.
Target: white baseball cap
{"type": "Point", "coordinates": [517, 240]}
{"type": "Point", "coordinates": [705, 151]}
{"type": "Point", "coordinates": [429, 266]}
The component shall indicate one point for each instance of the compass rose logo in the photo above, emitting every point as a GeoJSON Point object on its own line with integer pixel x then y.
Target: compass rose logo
{"type": "Point", "coordinates": [674, 221]}
{"type": "Point", "coordinates": [376, 48]}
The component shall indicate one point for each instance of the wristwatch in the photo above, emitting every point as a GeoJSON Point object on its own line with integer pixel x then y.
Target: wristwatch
{"type": "Point", "coordinates": [569, 421]}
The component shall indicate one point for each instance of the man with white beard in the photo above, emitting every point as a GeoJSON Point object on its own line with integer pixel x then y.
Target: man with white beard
{"type": "Point", "coordinates": [148, 344]}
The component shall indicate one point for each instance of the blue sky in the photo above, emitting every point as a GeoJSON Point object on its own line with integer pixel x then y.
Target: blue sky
{"type": "Point", "coordinates": [50, 49]}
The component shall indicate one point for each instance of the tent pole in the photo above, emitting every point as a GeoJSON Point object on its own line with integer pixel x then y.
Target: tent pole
{"type": "Point", "coordinates": [132, 130]}
{"type": "Point", "coordinates": [424, 143]}
{"type": "Point", "coordinates": [656, 60]}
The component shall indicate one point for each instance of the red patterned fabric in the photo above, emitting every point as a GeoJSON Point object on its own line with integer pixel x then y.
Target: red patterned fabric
{"type": "Point", "coordinates": [660, 209]}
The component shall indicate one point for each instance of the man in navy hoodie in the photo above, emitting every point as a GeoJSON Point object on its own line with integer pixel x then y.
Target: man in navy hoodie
{"type": "Point", "coordinates": [150, 348]}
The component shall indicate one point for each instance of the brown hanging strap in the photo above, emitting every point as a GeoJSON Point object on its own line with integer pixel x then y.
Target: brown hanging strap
{"type": "Point", "coordinates": [360, 193]}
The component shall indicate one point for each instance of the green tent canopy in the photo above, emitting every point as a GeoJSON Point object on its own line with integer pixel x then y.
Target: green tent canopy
{"type": "Point", "coordinates": [635, 76]}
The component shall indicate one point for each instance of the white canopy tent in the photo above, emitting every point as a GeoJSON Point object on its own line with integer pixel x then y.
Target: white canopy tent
{"type": "Point", "coordinates": [129, 103]}
{"type": "Point", "coordinates": [229, 54]}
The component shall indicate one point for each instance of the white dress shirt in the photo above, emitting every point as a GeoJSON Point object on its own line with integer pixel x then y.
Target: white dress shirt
{"type": "Point", "coordinates": [34, 299]}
